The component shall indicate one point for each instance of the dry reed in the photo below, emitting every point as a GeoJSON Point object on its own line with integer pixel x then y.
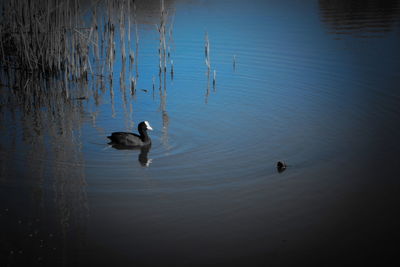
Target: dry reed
{"type": "Point", "coordinates": [207, 52]}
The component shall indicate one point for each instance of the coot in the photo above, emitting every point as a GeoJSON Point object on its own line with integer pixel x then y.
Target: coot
{"type": "Point", "coordinates": [281, 166]}
{"type": "Point", "coordinates": [131, 139]}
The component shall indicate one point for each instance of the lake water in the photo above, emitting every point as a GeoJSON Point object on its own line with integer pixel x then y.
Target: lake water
{"type": "Point", "coordinates": [312, 83]}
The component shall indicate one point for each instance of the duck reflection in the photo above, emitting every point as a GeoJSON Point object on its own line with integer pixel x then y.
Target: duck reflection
{"type": "Point", "coordinates": [143, 157]}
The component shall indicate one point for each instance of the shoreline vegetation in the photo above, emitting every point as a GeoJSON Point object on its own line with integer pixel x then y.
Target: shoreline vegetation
{"type": "Point", "coordinates": [55, 52]}
{"type": "Point", "coordinates": [75, 42]}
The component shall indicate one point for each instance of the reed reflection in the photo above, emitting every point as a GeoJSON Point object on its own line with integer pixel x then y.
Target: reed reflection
{"type": "Point", "coordinates": [42, 170]}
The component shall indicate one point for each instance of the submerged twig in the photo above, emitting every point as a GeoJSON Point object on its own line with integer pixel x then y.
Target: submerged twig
{"type": "Point", "coordinates": [214, 78]}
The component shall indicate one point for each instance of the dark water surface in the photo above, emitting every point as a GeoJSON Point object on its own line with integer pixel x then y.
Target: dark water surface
{"type": "Point", "coordinates": [314, 83]}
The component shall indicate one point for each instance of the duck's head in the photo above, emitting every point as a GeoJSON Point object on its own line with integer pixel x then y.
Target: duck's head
{"type": "Point", "coordinates": [144, 125]}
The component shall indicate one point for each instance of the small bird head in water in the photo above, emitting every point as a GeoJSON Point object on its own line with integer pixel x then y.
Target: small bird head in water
{"type": "Point", "coordinates": [281, 166]}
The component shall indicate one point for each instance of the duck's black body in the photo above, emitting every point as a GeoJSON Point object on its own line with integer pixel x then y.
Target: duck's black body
{"type": "Point", "coordinates": [131, 139]}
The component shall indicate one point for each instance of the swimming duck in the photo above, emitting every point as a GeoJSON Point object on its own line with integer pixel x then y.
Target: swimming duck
{"type": "Point", "coordinates": [132, 139]}
{"type": "Point", "coordinates": [281, 166]}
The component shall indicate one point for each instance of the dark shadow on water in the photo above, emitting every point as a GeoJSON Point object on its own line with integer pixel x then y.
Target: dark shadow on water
{"type": "Point", "coordinates": [367, 19]}
{"type": "Point", "coordinates": [143, 157]}
{"type": "Point", "coordinates": [44, 206]}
